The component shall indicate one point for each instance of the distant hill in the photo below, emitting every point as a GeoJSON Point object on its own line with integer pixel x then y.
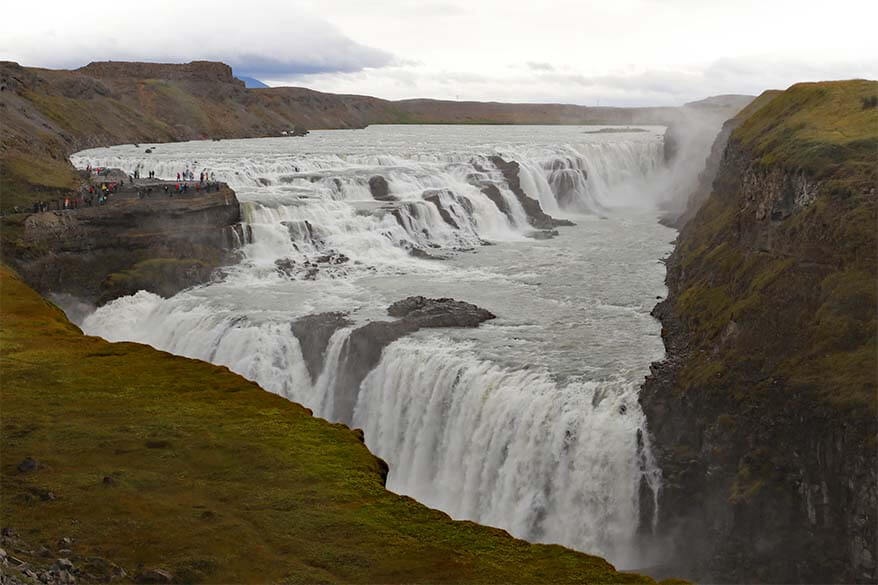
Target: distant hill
{"type": "Point", "coordinates": [251, 82]}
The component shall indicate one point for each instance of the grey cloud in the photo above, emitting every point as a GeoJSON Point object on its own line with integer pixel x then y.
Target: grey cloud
{"type": "Point", "coordinates": [539, 66]}
{"type": "Point", "coordinates": [346, 59]}
{"type": "Point", "coordinates": [274, 42]}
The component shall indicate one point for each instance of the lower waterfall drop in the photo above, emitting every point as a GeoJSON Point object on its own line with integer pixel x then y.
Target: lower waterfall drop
{"type": "Point", "coordinates": [509, 448]}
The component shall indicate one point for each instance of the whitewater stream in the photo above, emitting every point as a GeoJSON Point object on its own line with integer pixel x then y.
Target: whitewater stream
{"type": "Point", "coordinates": [529, 422]}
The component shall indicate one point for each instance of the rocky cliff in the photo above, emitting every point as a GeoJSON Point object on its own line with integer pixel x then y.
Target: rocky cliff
{"type": "Point", "coordinates": [764, 411]}
{"type": "Point", "coordinates": [161, 244]}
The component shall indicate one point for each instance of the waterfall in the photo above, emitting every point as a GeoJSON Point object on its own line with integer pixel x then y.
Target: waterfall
{"type": "Point", "coordinates": [550, 463]}
{"type": "Point", "coordinates": [551, 459]}
{"type": "Point", "coordinates": [434, 201]}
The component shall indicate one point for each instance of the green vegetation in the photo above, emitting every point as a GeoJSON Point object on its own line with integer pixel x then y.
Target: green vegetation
{"type": "Point", "coordinates": [820, 128]}
{"type": "Point", "coordinates": [25, 179]}
{"type": "Point", "coordinates": [214, 479]}
{"type": "Point", "coordinates": [789, 303]}
{"type": "Point", "coordinates": [165, 276]}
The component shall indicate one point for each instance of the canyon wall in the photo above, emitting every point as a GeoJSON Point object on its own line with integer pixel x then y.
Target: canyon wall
{"type": "Point", "coordinates": [161, 244]}
{"type": "Point", "coordinates": [764, 411]}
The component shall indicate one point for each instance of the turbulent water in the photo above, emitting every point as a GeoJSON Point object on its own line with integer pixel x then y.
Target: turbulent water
{"type": "Point", "coordinates": [529, 422]}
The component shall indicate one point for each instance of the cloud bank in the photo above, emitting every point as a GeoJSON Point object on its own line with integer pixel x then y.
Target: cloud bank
{"type": "Point", "coordinates": [624, 52]}
{"type": "Point", "coordinates": [267, 38]}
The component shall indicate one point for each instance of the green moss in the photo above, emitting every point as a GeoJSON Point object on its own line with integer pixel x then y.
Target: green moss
{"type": "Point", "coordinates": [25, 178]}
{"type": "Point", "coordinates": [164, 276]}
{"type": "Point", "coordinates": [214, 478]}
{"type": "Point", "coordinates": [801, 291]}
{"type": "Point", "coordinates": [817, 127]}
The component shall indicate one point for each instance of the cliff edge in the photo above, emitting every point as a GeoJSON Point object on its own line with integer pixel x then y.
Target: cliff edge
{"type": "Point", "coordinates": [764, 411]}
{"type": "Point", "coordinates": [155, 242]}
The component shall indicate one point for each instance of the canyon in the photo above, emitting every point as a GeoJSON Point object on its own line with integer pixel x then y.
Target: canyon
{"type": "Point", "coordinates": [760, 418]}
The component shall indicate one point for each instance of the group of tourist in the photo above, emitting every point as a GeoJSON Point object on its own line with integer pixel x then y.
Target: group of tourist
{"type": "Point", "coordinates": [136, 175]}
{"type": "Point", "coordinates": [203, 176]}
{"type": "Point", "coordinates": [69, 202]}
{"type": "Point", "coordinates": [100, 194]}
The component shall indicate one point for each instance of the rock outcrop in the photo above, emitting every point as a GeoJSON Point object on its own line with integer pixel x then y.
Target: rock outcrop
{"type": "Point", "coordinates": [379, 189]}
{"type": "Point", "coordinates": [535, 214]}
{"type": "Point", "coordinates": [763, 414]}
{"type": "Point", "coordinates": [362, 350]}
{"type": "Point", "coordinates": [161, 244]}
{"type": "Point", "coordinates": [314, 333]}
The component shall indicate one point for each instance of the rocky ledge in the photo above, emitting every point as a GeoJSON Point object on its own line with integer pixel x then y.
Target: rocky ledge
{"type": "Point", "coordinates": [159, 243]}
{"type": "Point", "coordinates": [362, 350]}
{"type": "Point", "coordinates": [535, 214]}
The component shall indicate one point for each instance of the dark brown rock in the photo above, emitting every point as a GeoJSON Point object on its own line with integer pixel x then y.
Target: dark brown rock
{"type": "Point", "coordinates": [363, 348]}
{"type": "Point", "coordinates": [314, 333]}
{"type": "Point", "coordinates": [535, 214]}
{"type": "Point", "coordinates": [380, 189]}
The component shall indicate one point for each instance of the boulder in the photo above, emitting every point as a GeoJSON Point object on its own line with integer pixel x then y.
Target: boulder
{"type": "Point", "coordinates": [28, 465]}
{"type": "Point", "coordinates": [380, 189]}
{"type": "Point", "coordinates": [363, 348]}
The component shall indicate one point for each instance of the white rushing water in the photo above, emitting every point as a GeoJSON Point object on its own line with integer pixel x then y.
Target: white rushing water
{"type": "Point", "coordinates": [529, 422]}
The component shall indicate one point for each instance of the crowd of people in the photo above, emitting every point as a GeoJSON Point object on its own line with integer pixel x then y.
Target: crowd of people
{"type": "Point", "coordinates": [203, 177]}
{"type": "Point", "coordinates": [86, 198]}
{"type": "Point", "coordinates": [101, 193]}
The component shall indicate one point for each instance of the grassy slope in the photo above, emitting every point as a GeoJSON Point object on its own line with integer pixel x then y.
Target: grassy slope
{"type": "Point", "coordinates": [805, 309]}
{"type": "Point", "coordinates": [214, 478]}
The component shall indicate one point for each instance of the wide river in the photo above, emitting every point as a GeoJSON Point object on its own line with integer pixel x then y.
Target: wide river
{"type": "Point", "coordinates": [529, 422]}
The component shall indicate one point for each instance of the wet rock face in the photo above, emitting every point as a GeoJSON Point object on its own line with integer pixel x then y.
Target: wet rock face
{"type": "Point", "coordinates": [160, 244]}
{"type": "Point", "coordinates": [314, 333]}
{"type": "Point", "coordinates": [493, 193]}
{"type": "Point", "coordinates": [535, 214]}
{"type": "Point", "coordinates": [362, 351]}
{"type": "Point", "coordinates": [380, 189]}
{"type": "Point", "coordinates": [433, 197]}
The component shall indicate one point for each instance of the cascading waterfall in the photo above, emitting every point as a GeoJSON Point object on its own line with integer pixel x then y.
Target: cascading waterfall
{"type": "Point", "coordinates": [551, 459]}
{"type": "Point", "coordinates": [436, 200]}
{"type": "Point", "coordinates": [508, 448]}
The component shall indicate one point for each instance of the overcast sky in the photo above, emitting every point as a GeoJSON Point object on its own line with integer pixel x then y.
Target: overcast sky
{"type": "Point", "coordinates": [612, 52]}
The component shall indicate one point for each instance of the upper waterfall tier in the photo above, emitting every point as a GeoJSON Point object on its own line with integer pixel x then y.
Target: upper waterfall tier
{"type": "Point", "coordinates": [381, 199]}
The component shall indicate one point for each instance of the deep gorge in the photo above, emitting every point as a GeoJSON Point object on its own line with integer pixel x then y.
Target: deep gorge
{"type": "Point", "coordinates": [746, 457]}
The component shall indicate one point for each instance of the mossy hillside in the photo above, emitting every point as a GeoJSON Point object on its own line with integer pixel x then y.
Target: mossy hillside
{"type": "Point", "coordinates": [781, 315]}
{"type": "Point", "coordinates": [808, 302]}
{"type": "Point", "coordinates": [215, 479]}
{"type": "Point", "coordinates": [821, 128]}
